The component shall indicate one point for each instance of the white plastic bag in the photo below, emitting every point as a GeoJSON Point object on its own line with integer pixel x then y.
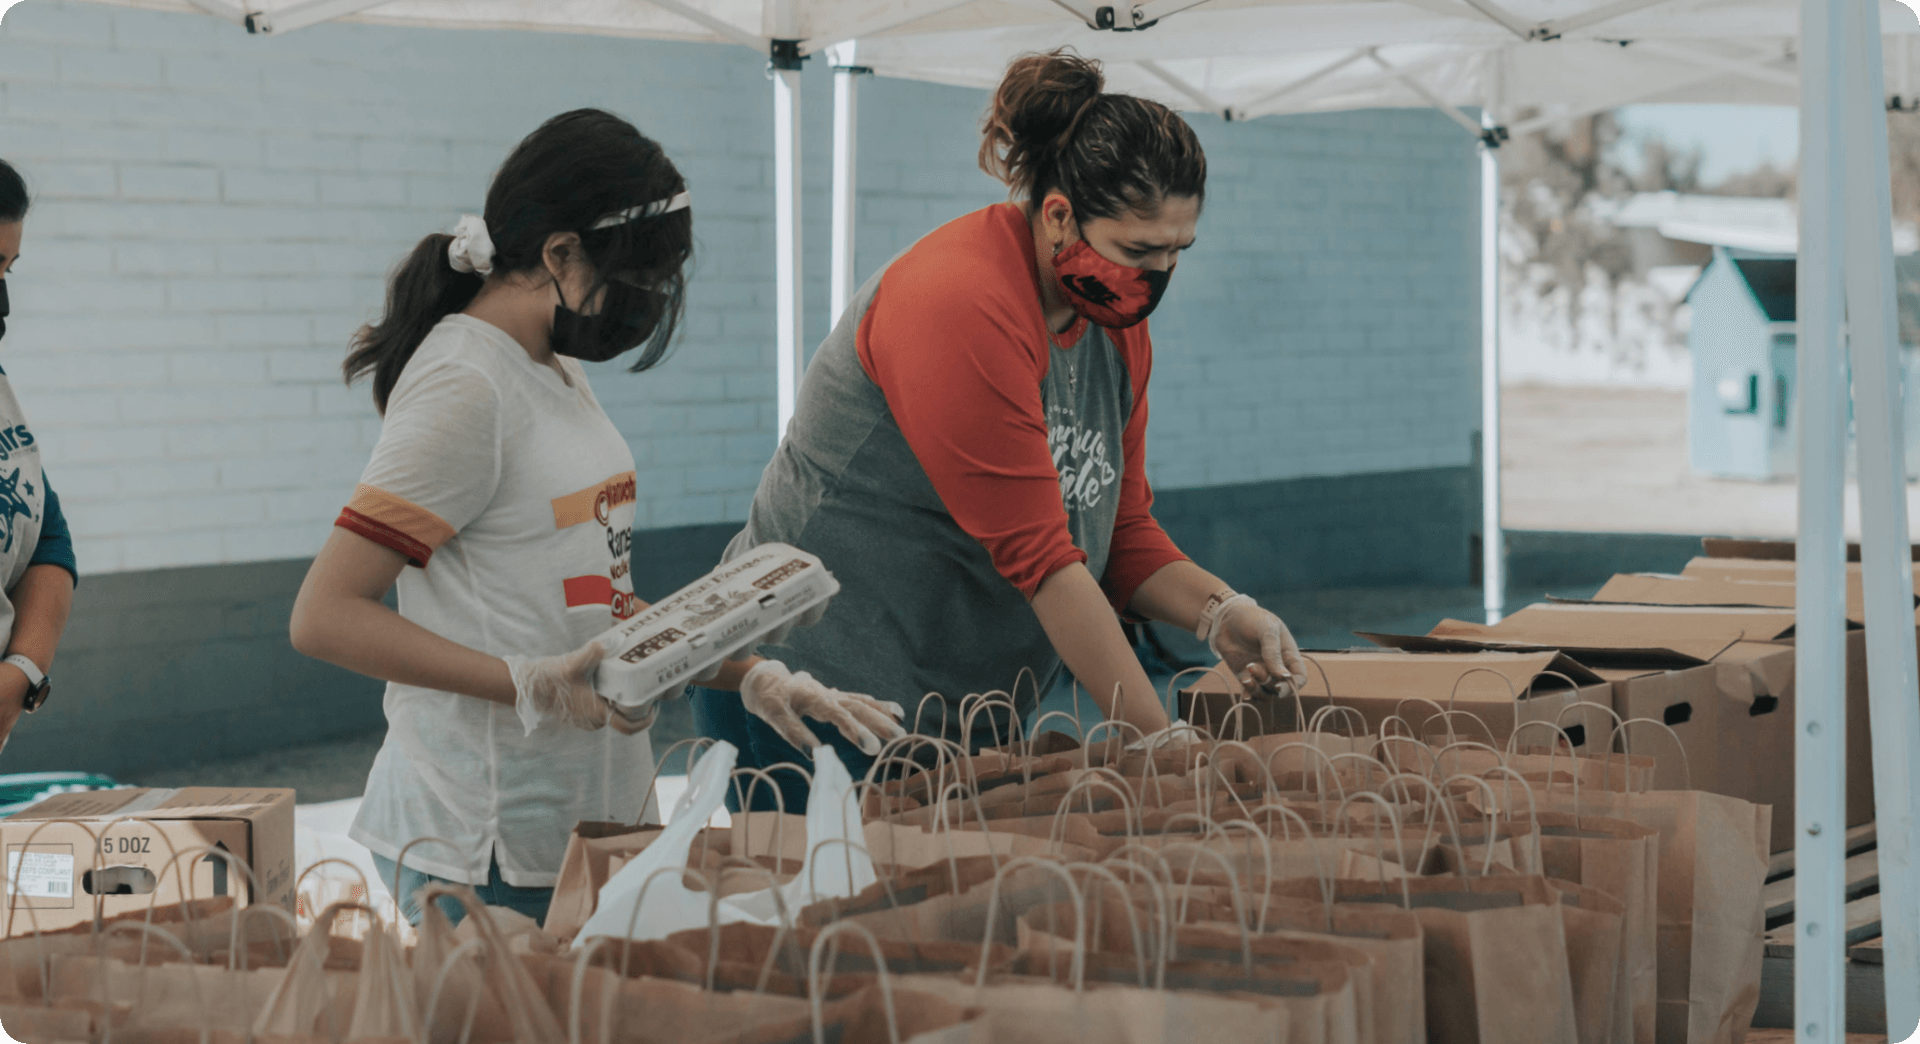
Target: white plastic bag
{"type": "Point", "coordinates": [648, 899]}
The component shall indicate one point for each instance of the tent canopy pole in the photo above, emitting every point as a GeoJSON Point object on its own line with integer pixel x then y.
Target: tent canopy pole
{"type": "Point", "coordinates": [846, 129]}
{"type": "Point", "coordinates": [1885, 552]}
{"type": "Point", "coordinates": [1820, 722]}
{"type": "Point", "coordinates": [788, 310]}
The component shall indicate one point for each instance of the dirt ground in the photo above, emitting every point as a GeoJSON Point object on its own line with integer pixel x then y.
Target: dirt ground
{"type": "Point", "coordinates": [1615, 461]}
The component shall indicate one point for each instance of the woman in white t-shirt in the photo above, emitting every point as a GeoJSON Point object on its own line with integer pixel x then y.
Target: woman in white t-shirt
{"type": "Point", "coordinates": [500, 480]}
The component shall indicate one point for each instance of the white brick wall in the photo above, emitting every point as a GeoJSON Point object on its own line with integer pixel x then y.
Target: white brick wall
{"type": "Point", "coordinates": [216, 213]}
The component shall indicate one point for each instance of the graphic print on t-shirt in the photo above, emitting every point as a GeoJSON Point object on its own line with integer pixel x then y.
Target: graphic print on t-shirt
{"type": "Point", "coordinates": [599, 504]}
{"type": "Point", "coordinates": [1081, 456]}
{"type": "Point", "coordinates": [13, 503]}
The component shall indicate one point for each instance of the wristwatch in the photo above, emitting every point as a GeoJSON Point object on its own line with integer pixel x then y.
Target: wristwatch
{"type": "Point", "coordinates": [38, 684]}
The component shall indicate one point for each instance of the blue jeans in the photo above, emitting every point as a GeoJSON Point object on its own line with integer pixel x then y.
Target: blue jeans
{"type": "Point", "coordinates": [720, 715]}
{"type": "Point", "coordinates": [530, 901]}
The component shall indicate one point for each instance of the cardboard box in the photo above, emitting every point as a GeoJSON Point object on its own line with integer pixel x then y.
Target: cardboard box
{"type": "Point", "coordinates": [112, 850]}
{"type": "Point", "coordinates": [1749, 574]}
{"type": "Point", "coordinates": [1776, 550]}
{"type": "Point", "coordinates": [1501, 689]}
{"type": "Point", "coordinates": [1733, 709]}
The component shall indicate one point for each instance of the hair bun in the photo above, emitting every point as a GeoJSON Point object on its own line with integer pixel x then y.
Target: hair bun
{"type": "Point", "coordinates": [1039, 102]}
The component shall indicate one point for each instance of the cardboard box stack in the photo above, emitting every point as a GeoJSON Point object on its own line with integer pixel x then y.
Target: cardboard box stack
{"type": "Point", "coordinates": [1501, 689]}
{"type": "Point", "coordinates": [135, 847]}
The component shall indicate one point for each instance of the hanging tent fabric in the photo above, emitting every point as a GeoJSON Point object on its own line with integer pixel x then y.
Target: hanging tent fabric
{"type": "Point", "coordinates": [1552, 59]}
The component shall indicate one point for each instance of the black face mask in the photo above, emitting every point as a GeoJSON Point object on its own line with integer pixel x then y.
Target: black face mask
{"type": "Point", "coordinates": [627, 317]}
{"type": "Point", "coordinates": [3, 307]}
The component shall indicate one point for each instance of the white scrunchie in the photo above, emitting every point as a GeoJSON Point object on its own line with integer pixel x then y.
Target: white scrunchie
{"type": "Point", "coordinates": [471, 249]}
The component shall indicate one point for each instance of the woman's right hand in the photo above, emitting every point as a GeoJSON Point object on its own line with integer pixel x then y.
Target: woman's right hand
{"type": "Point", "coordinates": [561, 687]}
{"type": "Point", "coordinates": [779, 697]}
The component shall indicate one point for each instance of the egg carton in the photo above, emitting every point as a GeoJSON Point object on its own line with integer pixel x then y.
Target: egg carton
{"type": "Point", "coordinates": [744, 603]}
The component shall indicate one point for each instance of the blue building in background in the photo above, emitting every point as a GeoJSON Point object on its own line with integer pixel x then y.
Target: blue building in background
{"type": "Point", "coordinates": [1740, 410]}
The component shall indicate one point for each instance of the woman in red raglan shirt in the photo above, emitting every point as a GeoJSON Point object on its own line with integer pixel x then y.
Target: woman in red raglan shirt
{"type": "Point", "coordinates": [968, 453]}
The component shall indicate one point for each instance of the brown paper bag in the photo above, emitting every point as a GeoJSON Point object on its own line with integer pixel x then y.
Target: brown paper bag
{"type": "Point", "coordinates": [1026, 1012]}
{"type": "Point", "coordinates": [1621, 859]}
{"type": "Point", "coordinates": [1712, 866]}
{"type": "Point", "coordinates": [1496, 954]}
{"type": "Point", "coordinates": [1595, 962]}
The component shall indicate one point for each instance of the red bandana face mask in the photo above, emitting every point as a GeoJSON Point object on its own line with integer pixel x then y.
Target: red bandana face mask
{"type": "Point", "coordinates": [1113, 296]}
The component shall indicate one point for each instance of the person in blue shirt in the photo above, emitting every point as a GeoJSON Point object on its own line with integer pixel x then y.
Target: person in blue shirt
{"type": "Point", "coordinates": [37, 567]}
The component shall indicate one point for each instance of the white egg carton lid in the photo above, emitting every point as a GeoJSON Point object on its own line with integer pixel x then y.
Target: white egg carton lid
{"type": "Point", "coordinates": [743, 603]}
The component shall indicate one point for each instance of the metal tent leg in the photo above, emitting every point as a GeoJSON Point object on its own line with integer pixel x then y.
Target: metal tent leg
{"type": "Point", "coordinates": [846, 129]}
{"type": "Point", "coordinates": [1885, 555]}
{"type": "Point", "coordinates": [1820, 721]}
{"type": "Point", "coordinates": [1493, 545]}
{"type": "Point", "coordinates": [786, 217]}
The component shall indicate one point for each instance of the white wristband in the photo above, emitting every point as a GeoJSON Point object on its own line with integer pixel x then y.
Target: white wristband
{"type": "Point", "coordinates": [28, 668]}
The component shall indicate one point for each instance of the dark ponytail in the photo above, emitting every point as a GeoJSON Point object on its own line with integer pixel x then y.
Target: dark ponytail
{"type": "Point", "coordinates": [13, 194]}
{"type": "Point", "coordinates": [422, 291]}
{"type": "Point", "coordinates": [578, 169]}
{"type": "Point", "coordinates": [1052, 127]}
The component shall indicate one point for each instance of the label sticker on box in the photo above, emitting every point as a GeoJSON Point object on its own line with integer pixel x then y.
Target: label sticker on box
{"type": "Point", "coordinates": [40, 875]}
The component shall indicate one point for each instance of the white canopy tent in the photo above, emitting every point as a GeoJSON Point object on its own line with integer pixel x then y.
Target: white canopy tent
{"type": "Point", "coordinates": [1552, 59]}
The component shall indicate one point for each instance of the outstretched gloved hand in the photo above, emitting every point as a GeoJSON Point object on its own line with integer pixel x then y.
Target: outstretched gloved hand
{"type": "Point", "coordinates": [549, 688]}
{"type": "Point", "coordinates": [1257, 647]}
{"type": "Point", "coordinates": [780, 698]}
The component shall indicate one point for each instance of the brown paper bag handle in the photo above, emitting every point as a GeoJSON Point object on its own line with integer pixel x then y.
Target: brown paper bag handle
{"type": "Point", "coordinates": [1076, 968]}
{"type": "Point", "coordinates": [1056, 833]}
{"type": "Point", "coordinates": [1162, 907]}
{"type": "Point", "coordinates": [1440, 755]}
{"type": "Point", "coordinates": [1439, 711]}
{"type": "Point", "coordinates": [1419, 745]}
{"type": "Point", "coordinates": [187, 888]}
{"type": "Point", "coordinates": [1318, 779]}
{"type": "Point", "coordinates": [1606, 766]}
{"type": "Point", "coordinates": [1133, 921]}
{"type": "Point", "coordinates": [986, 701]}
{"type": "Point", "coordinates": [1493, 820]}
{"type": "Point", "coordinates": [271, 912]}
{"type": "Point", "coordinates": [1356, 721]}
{"type": "Point", "coordinates": [980, 816]}
{"type": "Point", "coordinates": [440, 982]}
{"type": "Point", "coordinates": [1319, 865]}
{"type": "Point", "coordinates": [758, 775]}
{"type": "Point", "coordinates": [698, 744]}
{"type": "Point", "coordinates": [1553, 755]}
{"type": "Point", "coordinates": [1254, 755]}
{"type": "Point", "coordinates": [1454, 692]}
{"type": "Point", "coordinates": [400, 901]}
{"type": "Point", "coordinates": [1439, 801]}
{"type": "Point", "coordinates": [1233, 882]}
{"type": "Point", "coordinates": [1625, 738]}
{"type": "Point", "coordinates": [1114, 725]}
{"type": "Point", "coordinates": [920, 710]}
{"type": "Point", "coordinates": [1533, 808]}
{"type": "Point", "coordinates": [193, 976]}
{"type": "Point", "coordinates": [815, 987]}
{"type": "Point", "coordinates": [1392, 816]}
{"type": "Point", "coordinates": [1455, 737]}
{"type": "Point", "coordinates": [1204, 789]}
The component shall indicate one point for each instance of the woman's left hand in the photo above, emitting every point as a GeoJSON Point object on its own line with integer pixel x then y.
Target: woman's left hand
{"type": "Point", "coordinates": [1257, 647]}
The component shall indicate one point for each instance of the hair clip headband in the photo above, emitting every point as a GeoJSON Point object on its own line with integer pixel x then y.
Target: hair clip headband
{"type": "Point", "coordinates": [658, 207]}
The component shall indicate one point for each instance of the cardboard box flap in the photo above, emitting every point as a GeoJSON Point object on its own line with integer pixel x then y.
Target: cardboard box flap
{"type": "Point", "coordinates": [1478, 676]}
{"type": "Point", "coordinates": [1736, 571]}
{"type": "Point", "coordinates": [1776, 550]}
{"type": "Point", "coordinates": [1459, 640]}
{"type": "Point", "coordinates": [86, 804]}
{"type": "Point", "coordinates": [1702, 633]}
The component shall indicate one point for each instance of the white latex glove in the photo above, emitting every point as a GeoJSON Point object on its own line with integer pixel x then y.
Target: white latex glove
{"type": "Point", "coordinates": [780, 698]}
{"type": "Point", "coordinates": [1257, 647]}
{"type": "Point", "coordinates": [560, 688]}
{"type": "Point", "coordinates": [1178, 734]}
